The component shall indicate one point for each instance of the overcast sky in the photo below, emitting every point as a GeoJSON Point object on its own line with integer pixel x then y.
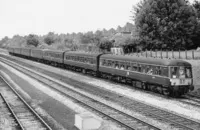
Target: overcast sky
{"type": "Point", "coordinates": [39, 17]}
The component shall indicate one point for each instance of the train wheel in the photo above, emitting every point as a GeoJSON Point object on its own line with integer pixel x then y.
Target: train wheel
{"type": "Point", "coordinates": [144, 86]}
{"type": "Point", "coordinates": [133, 83]}
{"type": "Point", "coordinates": [166, 92]}
{"type": "Point", "coordinates": [83, 71]}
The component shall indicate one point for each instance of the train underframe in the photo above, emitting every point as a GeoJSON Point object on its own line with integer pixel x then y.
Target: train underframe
{"type": "Point", "coordinates": [172, 91]}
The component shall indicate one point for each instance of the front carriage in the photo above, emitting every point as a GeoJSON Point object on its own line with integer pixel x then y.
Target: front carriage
{"type": "Point", "coordinates": [162, 75]}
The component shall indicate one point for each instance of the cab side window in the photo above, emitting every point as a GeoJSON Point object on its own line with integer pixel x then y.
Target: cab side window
{"type": "Point", "coordinates": [102, 62]}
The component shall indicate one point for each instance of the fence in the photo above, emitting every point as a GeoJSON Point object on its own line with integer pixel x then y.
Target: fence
{"type": "Point", "coordinates": [195, 55]}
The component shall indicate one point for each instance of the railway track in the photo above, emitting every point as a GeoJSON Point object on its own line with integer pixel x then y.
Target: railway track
{"type": "Point", "coordinates": [149, 111]}
{"type": "Point", "coordinates": [194, 101]}
{"type": "Point", "coordinates": [126, 121]}
{"type": "Point", "coordinates": [16, 114]}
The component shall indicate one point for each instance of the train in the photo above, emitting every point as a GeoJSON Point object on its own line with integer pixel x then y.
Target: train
{"type": "Point", "coordinates": [171, 77]}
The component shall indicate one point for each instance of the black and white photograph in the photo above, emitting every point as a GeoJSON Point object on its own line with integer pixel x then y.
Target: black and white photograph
{"type": "Point", "coordinates": [100, 65]}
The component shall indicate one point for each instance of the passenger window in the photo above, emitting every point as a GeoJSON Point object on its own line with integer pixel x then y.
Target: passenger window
{"type": "Point", "coordinates": [109, 63]}
{"type": "Point", "coordinates": [139, 68]}
{"type": "Point", "coordinates": [157, 70]}
{"type": "Point", "coordinates": [105, 63]}
{"type": "Point", "coordinates": [143, 68]}
{"type": "Point", "coordinates": [165, 71]}
{"type": "Point", "coordinates": [116, 65]}
{"type": "Point", "coordinates": [88, 61]}
{"type": "Point", "coordinates": [134, 67]}
{"type": "Point", "coordinates": [122, 67]}
{"type": "Point", "coordinates": [128, 67]}
{"type": "Point", "coordinates": [91, 61]}
{"type": "Point", "coordinates": [174, 71]}
{"type": "Point", "coordinates": [149, 70]}
{"type": "Point", "coordinates": [113, 64]}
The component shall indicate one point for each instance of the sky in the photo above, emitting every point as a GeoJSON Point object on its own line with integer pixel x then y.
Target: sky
{"type": "Point", "coordinates": [24, 17]}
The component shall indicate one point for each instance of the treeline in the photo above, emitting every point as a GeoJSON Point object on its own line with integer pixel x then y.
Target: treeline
{"type": "Point", "coordinates": [102, 39]}
{"type": "Point", "coordinates": [159, 25]}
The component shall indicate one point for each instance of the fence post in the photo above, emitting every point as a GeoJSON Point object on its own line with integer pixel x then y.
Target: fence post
{"type": "Point", "coordinates": [172, 54]}
{"type": "Point", "coordinates": [151, 53]}
{"type": "Point", "coordinates": [146, 52]}
{"type": "Point", "coordinates": [193, 54]}
{"type": "Point", "coordinates": [186, 54]}
{"type": "Point", "coordinates": [161, 54]}
{"type": "Point", "coordinates": [156, 53]}
{"type": "Point", "coordinates": [179, 54]}
{"type": "Point", "coordinates": [167, 54]}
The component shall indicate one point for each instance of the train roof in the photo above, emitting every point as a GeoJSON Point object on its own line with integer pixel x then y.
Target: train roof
{"type": "Point", "coordinates": [53, 51]}
{"type": "Point", "coordinates": [82, 53]}
{"type": "Point", "coordinates": [147, 60]}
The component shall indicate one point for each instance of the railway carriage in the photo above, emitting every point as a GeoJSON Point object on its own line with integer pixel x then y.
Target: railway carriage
{"type": "Point", "coordinates": [25, 52]}
{"type": "Point", "coordinates": [37, 54]}
{"type": "Point", "coordinates": [53, 57]}
{"type": "Point", "coordinates": [85, 62]}
{"type": "Point", "coordinates": [170, 77]}
{"type": "Point", "coordinates": [10, 50]}
{"type": "Point", "coordinates": [17, 51]}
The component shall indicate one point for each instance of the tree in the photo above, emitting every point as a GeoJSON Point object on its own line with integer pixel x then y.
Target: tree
{"type": "Point", "coordinates": [105, 44]}
{"type": "Point", "coordinates": [32, 40]}
{"type": "Point", "coordinates": [165, 24]}
{"type": "Point", "coordinates": [4, 41]}
{"type": "Point", "coordinates": [196, 5]}
{"type": "Point", "coordinates": [119, 29]}
{"type": "Point", "coordinates": [50, 38]}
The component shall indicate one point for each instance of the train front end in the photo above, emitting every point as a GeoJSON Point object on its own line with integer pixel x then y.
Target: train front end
{"type": "Point", "coordinates": [181, 79]}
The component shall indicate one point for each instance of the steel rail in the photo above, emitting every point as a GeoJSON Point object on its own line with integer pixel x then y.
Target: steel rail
{"type": "Point", "coordinates": [12, 112]}
{"type": "Point", "coordinates": [26, 104]}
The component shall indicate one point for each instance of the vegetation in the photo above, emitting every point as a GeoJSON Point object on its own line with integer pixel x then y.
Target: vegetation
{"type": "Point", "coordinates": [159, 25]}
{"type": "Point", "coordinates": [32, 40]}
{"type": "Point", "coordinates": [166, 24]}
{"type": "Point", "coordinates": [102, 39]}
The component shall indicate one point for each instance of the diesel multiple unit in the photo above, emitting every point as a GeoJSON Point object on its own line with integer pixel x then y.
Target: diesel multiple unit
{"type": "Point", "coordinates": [167, 76]}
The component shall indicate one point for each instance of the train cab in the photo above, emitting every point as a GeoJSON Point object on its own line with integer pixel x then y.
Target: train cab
{"type": "Point", "coordinates": [181, 77]}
